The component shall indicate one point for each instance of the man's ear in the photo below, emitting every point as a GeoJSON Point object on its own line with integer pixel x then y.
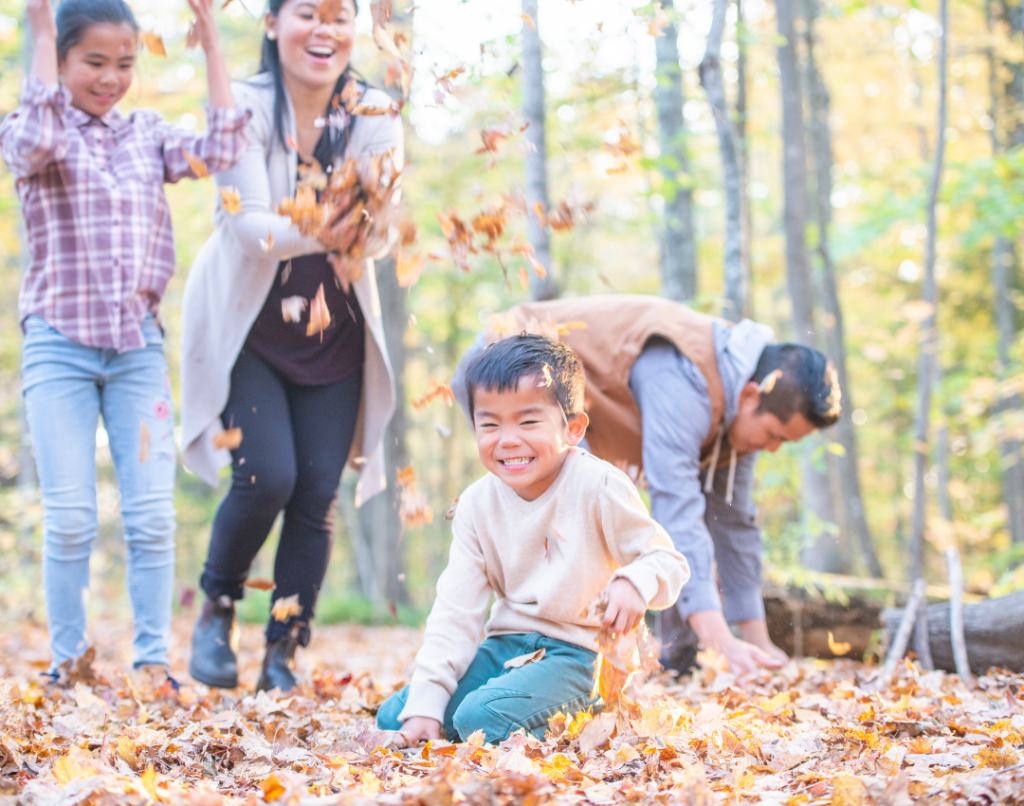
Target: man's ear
{"type": "Point", "coordinates": [577, 428]}
{"type": "Point", "coordinates": [750, 397]}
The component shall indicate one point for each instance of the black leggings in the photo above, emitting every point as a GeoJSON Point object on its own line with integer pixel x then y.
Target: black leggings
{"type": "Point", "coordinates": [295, 441]}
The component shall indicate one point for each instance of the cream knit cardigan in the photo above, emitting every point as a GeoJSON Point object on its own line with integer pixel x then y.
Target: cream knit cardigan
{"type": "Point", "coordinates": [233, 274]}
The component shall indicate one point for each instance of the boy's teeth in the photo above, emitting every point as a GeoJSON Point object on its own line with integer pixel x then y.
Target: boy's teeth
{"type": "Point", "coordinates": [515, 461]}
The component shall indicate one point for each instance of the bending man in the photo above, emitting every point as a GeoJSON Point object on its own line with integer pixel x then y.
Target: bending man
{"type": "Point", "coordinates": [688, 400]}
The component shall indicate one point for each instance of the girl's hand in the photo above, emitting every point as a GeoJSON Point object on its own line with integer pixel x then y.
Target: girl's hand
{"type": "Point", "coordinates": [40, 17]}
{"type": "Point", "coordinates": [626, 607]}
{"type": "Point", "coordinates": [206, 25]}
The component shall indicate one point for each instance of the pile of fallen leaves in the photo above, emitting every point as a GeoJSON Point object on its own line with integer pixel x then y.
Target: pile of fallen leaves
{"type": "Point", "coordinates": [815, 732]}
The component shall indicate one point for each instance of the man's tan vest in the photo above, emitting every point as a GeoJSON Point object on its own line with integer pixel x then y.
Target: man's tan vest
{"type": "Point", "coordinates": [608, 334]}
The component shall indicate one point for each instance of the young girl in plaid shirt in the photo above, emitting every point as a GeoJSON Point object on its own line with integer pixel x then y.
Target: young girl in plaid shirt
{"type": "Point", "coordinates": [91, 183]}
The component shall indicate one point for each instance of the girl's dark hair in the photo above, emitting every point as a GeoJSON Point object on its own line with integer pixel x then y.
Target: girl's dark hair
{"type": "Point", "coordinates": [270, 62]}
{"type": "Point", "coordinates": [75, 17]}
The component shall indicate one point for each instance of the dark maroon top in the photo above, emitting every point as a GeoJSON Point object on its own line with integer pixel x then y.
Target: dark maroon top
{"type": "Point", "coordinates": [301, 359]}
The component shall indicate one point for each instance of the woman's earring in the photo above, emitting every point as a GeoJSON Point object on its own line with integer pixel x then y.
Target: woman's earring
{"type": "Point", "coordinates": [272, 35]}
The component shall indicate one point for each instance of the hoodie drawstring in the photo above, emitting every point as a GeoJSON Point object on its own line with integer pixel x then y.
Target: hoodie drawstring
{"type": "Point", "coordinates": [709, 479]}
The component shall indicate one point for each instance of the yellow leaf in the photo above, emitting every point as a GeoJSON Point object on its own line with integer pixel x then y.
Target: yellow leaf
{"type": "Point", "coordinates": [848, 790]}
{"type": "Point", "coordinates": [231, 199]}
{"type": "Point", "coordinates": [268, 244]}
{"type": "Point", "coordinates": [149, 781]}
{"type": "Point", "coordinates": [408, 268]}
{"type": "Point", "coordinates": [126, 750]}
{"type": "Point", "coordinates": [271, 785]}
{"type": "Point", "coordinates": [994, 759]}
{"type": "Point", "coordinates": [198, 166]}
{"type": "Point", "coordinates": [229, 438]}
{"type": "Point", "coordinates": [529, 21]}
{"type": "Point", "coordinates": [319, 315]}
{"type": "Point", "coordinates": [837, 648]}
{"type": "Point", "coordinates": [154, 44]}
{"type": "Point", "coordinates": [67, 769]}
{"type": "Point", "coordinates": [284, 608]}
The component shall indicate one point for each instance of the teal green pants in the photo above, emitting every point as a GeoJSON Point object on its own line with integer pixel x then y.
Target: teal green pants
{"type": "Point", "coordinates": [500, 701]}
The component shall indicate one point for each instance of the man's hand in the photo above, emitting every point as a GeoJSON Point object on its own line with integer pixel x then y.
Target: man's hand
{"type": "Point", "coordinates": [420, 729]}
{"type": "Point", "coordinates": [756, 632]}
{"type": "Point", "coordinates": [743, 657]}
{"type": "Point", "coordinates": [626, 607]}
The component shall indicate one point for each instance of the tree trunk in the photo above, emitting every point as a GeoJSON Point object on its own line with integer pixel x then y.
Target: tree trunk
{"type": "Point", "coordinates": [821, 552]}
{"type": "Point", "coordinates": [1004, 269]}
{"type": "Point", "coordinates": [928, 347]}
{"type": "Point", "coordinates": [835, 341]}
{"type": "Point", "coordinates": [746, 225]}
{"type": "Point", "coordinates": [732, 172]}
{"type": "Point", "coordinates": [535, 160]}
{"type": "Point", "coordinates": [378, 517]}
{"type": "Point", "coordinates": [678, 250]}
{"type": "Point", "coordinates": [993, 628]}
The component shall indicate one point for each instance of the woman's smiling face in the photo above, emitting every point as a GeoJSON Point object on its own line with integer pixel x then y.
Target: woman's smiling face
{"type": "Point", "coordinates": [314, 51]}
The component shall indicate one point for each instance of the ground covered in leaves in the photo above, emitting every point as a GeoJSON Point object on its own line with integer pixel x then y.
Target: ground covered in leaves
{"type": "Point", "coordinates": [815, 733]}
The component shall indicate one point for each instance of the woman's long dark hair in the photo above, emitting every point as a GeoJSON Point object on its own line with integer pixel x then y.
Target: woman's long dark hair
{"type": "Point", "coordinates": [75, 17]}
{"type": "Point", "coordinates": [270, 62]}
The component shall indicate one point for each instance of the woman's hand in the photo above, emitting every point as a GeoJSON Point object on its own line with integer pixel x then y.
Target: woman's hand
{"type": "Point", "coordinates": [626, 607]}
{"type": "Point", "coordinates": [44, 29]}
{"type": "Point", "coordinates": [217, 77]}
{"type": "Point", "coordinates": [420, 729]}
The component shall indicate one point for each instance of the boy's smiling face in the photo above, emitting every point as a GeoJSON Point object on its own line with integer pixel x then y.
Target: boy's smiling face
{"type": "Point", "coordinates": [522, 436]}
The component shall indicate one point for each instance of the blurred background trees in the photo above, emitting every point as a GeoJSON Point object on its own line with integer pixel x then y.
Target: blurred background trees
{"type": "Point", "coordinates": [812, 218]}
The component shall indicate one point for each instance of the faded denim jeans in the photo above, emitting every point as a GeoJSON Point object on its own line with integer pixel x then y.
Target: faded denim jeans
{"type": "Point", "coordinates": [67, 386]}
{"type": "Point", "coordinates": [500, 701]}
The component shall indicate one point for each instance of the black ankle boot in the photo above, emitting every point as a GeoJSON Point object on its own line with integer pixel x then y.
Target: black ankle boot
{"type": "Point", "coordinates": [214, 644]}
{"type": "Point", "coordinates": [279, 664]}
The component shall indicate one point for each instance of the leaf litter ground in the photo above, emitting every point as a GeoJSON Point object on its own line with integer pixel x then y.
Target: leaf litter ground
{"type": "Point", "coordinates": [817, 732]}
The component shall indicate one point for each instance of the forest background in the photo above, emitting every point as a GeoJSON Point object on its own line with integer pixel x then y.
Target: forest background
{"type": "Point", "coordinates": [631, 158]}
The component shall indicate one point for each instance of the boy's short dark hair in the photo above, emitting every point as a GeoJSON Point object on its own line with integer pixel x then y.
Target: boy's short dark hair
{"type": "Point", "coordinates": [808, 384]}
{"type": "Point", "coordinates": [501, 366]}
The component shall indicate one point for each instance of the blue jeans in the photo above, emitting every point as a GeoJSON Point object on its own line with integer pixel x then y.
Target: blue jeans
{"type": "Point", "coordinates": [499, 701]}
{"type": "Point", "coordinates": [67, 386]}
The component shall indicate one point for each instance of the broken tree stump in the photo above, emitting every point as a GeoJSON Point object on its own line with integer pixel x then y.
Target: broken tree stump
{"type": "Point", "coordinates": [993, 632]}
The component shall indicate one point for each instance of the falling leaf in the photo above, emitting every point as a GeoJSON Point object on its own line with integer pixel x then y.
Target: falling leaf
{"type": "Point", "coordinates": [408, 268]}
{"type": "Point", "coordinates": [229, 438]}
{"type": "Point", "coordinates": [596, 732]}
{"type": "Point", "coordinates": [267, 245]}
{"type": "Point", "coordinates": [524, 278]}
{"type": "Point", "coordinates": [547, 380]}
{"type": "Point", "coordinates": [260, 584]}
{"type": "Point", "coordinates": [521, 660]}
{"type": "Point", "coordinates": [372, 111]}
{"type": "Point", "coordinates": [837, 648]}
{"type": "Point", "coordinates": [529, 21]}
{"type": "Point", "coordinates": [292, 308]}
{"type": "Point", "coordinates": [406, 476]}
{"type": "Point", "coordinates": [154, 44]}
{"type": "Point", "coordinates": [658, 22]}
{"type": "Point", "coordinates": [144, 441]}
{"type": "Point", "coordinates": [450, 514]}
{"type": "Point", "coordinates": [766, 386]}
{"type": "Point", "coordinates": [198, 166]}
{"type": "Point", "coordinates": [231, 199]}
{"type": "Point", "coordinates": [290, 142]}
{"type": "Point", "coordinates": [435, 391]}
{"type": "Point", "coordinates": [192, 37]}
{"type": "Point", "coordinates": [319, 316]}
{"type": "Point", "coordinates": [286, 607]}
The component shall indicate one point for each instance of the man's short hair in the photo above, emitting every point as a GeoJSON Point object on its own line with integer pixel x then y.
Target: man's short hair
{"type": "Point", "coordinates": [501, 366]}
{"type": "Point", "coordinates": [808, 384]}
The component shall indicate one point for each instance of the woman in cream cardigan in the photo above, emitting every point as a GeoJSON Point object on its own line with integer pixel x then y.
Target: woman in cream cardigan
{"type": "Point", "coordinates": [303, 403]}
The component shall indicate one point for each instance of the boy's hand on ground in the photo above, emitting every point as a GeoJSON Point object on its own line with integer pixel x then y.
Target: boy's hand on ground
{"type": "Point", "coordinates": [626, 607]}
{"type": "Point", "coordinates": [420, 729]}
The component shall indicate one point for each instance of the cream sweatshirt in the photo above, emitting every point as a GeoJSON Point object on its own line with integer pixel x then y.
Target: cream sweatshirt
{"type": "Point", "coordinates": [545, 561]}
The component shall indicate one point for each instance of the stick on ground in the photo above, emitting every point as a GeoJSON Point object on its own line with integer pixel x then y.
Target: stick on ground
{"type": "Point", "coordinates": [956, 616]}
{"type": "Point", "coordinates": [899, 643]}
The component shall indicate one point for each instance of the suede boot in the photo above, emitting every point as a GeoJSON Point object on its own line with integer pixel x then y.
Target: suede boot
{"type": "Point", "coordinates": [215, 644]}
{"type": "Point", "coordinates": [279, 664]}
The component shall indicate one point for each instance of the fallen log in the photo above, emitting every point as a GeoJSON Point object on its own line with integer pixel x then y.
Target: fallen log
{"type": "Point", "coordinates": [799, 624]}
{"type": "Point", "coordinates": [993, 633]}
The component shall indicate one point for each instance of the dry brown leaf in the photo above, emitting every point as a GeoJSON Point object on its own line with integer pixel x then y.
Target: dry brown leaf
{"type": "Point", "coordinates": [837, 648]}
{"type": "Point", "coordinates": [319, 316]}
{"type": "Point", "coordinates": [229, 438]}
{"type": "Point", "coordinates": [657, 22]}
{"type": "Point", "coordinates": [231, 199]}
{"type": "Point", "coordinates": [154, 44]}
{"type": "Point", "coordinates": [260, 584]}
{"type": "Point", "coordinates": [408, 268]}
{"type": "Point", "coordinates": [529, 21]}
{"type": "Point", "coordinates": [522, 660]}
{"type": "Point", "coordinates": [144, 441]}
{"type": "Point", "coordinates": [435, 391]}
{"type": "Point", "coordinates": [286, 607]}
{"type": "Point", "coordinates": [192, 37]}
{"type": "Point", "coordinates": [268, 244]}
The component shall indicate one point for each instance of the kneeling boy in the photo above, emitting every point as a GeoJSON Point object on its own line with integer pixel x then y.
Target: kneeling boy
{"type": "Point", "coordinates": [546, 531]}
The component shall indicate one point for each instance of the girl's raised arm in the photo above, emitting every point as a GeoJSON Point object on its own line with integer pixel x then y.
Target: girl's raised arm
{"type": "Point", "coordinates": [44, 28]}
{"type": "Point", "coordinates": [217, 78]}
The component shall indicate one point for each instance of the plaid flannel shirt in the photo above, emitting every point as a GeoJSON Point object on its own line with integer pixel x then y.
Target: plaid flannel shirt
{"type": "Point", "coordinates": [98, 223]}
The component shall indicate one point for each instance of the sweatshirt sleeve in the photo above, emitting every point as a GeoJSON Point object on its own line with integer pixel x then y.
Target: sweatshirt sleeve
{"type": "Point", "coordinates": [454, 626]}
{"type": "Point", "coordinates": [638, 544]}
{"type": "Point", "coordinates": [34, 134]}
